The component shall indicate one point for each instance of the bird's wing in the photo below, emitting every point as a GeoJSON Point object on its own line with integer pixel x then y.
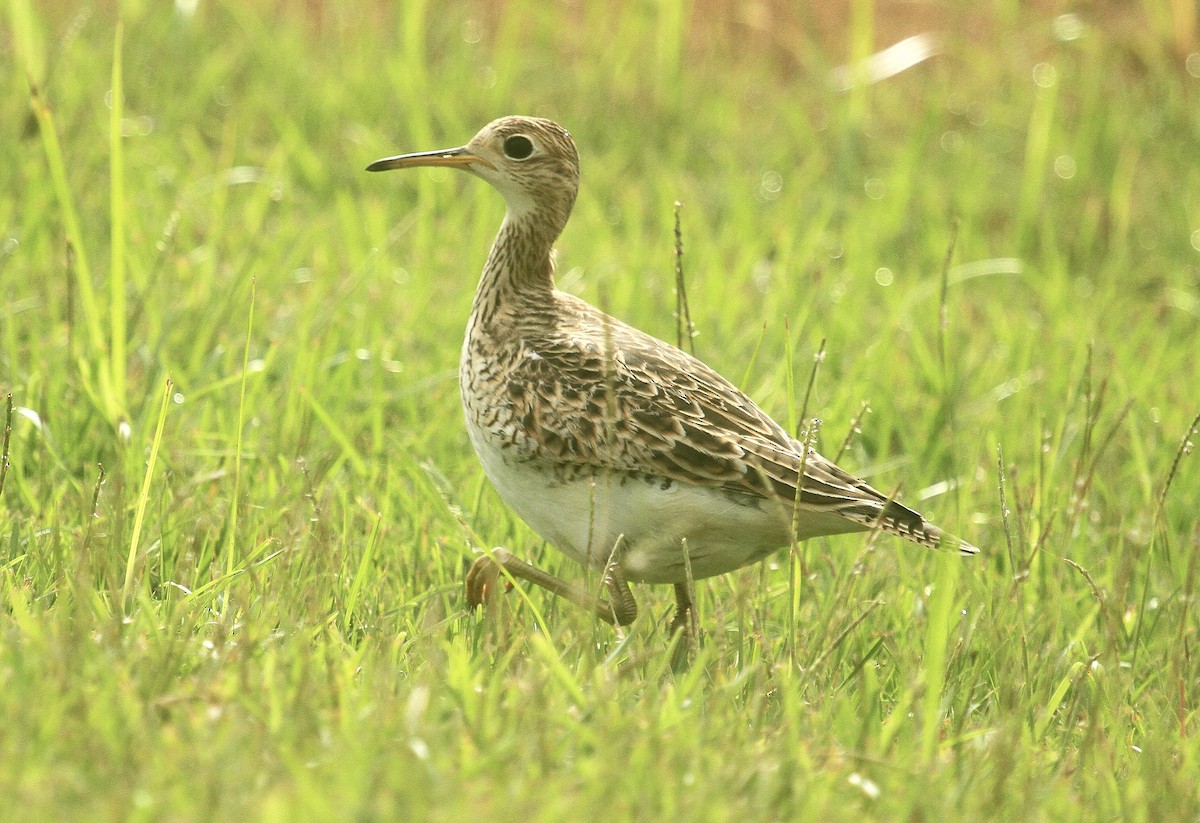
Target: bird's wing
{"type": "Point", "coordinates": [626, 401]}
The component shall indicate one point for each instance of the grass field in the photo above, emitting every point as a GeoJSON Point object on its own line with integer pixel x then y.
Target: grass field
{"type": "Point", "coordinates": [238, 500]}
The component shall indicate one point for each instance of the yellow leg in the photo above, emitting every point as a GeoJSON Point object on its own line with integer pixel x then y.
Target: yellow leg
{"type": "Point", "coordinates": [484, 576]}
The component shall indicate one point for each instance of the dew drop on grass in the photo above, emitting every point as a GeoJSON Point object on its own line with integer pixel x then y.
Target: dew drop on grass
{"type": "Point", "coordinates": [415, 708]}
{"type": "Point", "coordinates": [868, 787]}
{"type": "Point", "coordinates": [952, 141]}
{"type": "Point", "coordinates": [1067, 27]}
{"type": "Point", "coordinates": [1045, 75]}
{"type": "Point", "coordinates": [769, 186]}
{"type": "Point", "coordinates": [761, 273]}
{"type": "Point", "coordinates": [1196, 240]}
{"type": "Point", "coordinates": [243, 175]}
{"type": "Point", "coordinates": [1193, 64]}
{"type": "Point", "coordinates": [137, 126]}
{"type": "Point", "coordinates": [884, 276]}
{"type": "Point", "coordinates": [472, 31]}
{"type": "Point", "coordinates": [1064, 166]}
{"type": "Point", "coordinates": [874, 188]}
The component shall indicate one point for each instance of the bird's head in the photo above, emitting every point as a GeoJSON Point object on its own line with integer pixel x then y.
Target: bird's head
{"type": "Point", "coordinates": [531, 161]}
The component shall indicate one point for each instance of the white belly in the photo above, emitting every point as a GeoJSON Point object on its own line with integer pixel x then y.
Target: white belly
{"type": "Point", "coordinates": [650, 523]}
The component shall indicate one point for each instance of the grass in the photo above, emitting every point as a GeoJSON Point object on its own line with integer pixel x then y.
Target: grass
{"type": "Point", "coordinates": [237, 501]}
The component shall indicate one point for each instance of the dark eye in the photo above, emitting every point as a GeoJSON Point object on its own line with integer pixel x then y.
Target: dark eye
{"type": "Point", "coordinates": [518, 147]}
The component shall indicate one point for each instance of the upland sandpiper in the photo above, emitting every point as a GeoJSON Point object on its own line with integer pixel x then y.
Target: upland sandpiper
{"type": "Point", "coordinates": [621, 450]}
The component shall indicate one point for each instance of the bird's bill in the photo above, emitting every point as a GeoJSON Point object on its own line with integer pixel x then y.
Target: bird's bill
{"type": "Point", "coordinates": [455, 158]}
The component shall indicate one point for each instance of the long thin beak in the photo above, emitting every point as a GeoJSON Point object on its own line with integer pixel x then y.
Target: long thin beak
{"type": "Point", "coordinates": [458, 158]}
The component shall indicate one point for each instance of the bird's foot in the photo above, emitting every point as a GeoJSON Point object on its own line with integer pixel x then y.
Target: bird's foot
{"type": "Point", "coordinates": [484, 577]}
{"type": "Point", "coordinates": [682, 621]}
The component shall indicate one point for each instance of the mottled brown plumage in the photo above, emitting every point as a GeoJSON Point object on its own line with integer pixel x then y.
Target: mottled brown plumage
{"type": "Point", "coordinates": [624, 451]}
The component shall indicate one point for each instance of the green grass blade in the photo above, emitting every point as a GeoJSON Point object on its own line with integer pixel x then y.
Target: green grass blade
{"type": "Point", "coordinates": [117, 230]}
{"type": "Point", "coordinates": [937, 636]}
{"type": "Point", "coordinates": [561, 674]}
{"type": "Point", "coordinates": [66, 204]}
{"type": "Point", "coordinates": [360, 575]}
{"type": "Point", "coordinates": [139, 517]}
{"type": "Point", "coordinates": [1056, 699]}
{"type": "Point", "coordinates": [27, 39]}
{"type": "Point", "coordinates": [357, 462]}
{"type": "Point", "coordinates": [231, 544]}
{"type": "Point", "coordinates": [1037, 148]}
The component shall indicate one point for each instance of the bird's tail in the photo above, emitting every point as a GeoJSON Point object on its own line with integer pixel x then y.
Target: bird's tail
{"type": "Point", "coordinates": [902, 521]}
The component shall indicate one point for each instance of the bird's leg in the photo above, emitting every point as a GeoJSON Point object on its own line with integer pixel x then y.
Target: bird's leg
{"type": "Point", "coordinates": [483, 582]}
{"type": "Point", "coordinates": [684, 626]}
{"type": "Point", "coordinates": [684, 613]}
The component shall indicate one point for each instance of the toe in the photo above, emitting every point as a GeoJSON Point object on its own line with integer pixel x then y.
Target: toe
{"type": "Point", "coordinates": [483, 578]}
{"type": "Point", "coordinates": [481, 581]}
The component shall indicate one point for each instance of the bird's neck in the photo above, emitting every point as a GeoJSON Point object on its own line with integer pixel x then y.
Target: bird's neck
{"type": "Point", "coordinates": [518, 268]}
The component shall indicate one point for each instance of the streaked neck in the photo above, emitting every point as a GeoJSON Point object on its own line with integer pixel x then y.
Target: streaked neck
{"type": "Point", "coordinates": [518, 266]}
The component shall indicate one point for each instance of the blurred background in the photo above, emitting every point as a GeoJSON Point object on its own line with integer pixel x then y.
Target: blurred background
{"type": "Point", "coordinates": [825, 155]}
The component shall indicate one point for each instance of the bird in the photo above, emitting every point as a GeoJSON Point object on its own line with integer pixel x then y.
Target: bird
{"type": "Point", "coordinates": [625, 452]}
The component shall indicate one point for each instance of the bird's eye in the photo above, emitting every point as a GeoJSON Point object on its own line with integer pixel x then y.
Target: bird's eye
{"type": "Point", "coordinates": [518, 147]}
